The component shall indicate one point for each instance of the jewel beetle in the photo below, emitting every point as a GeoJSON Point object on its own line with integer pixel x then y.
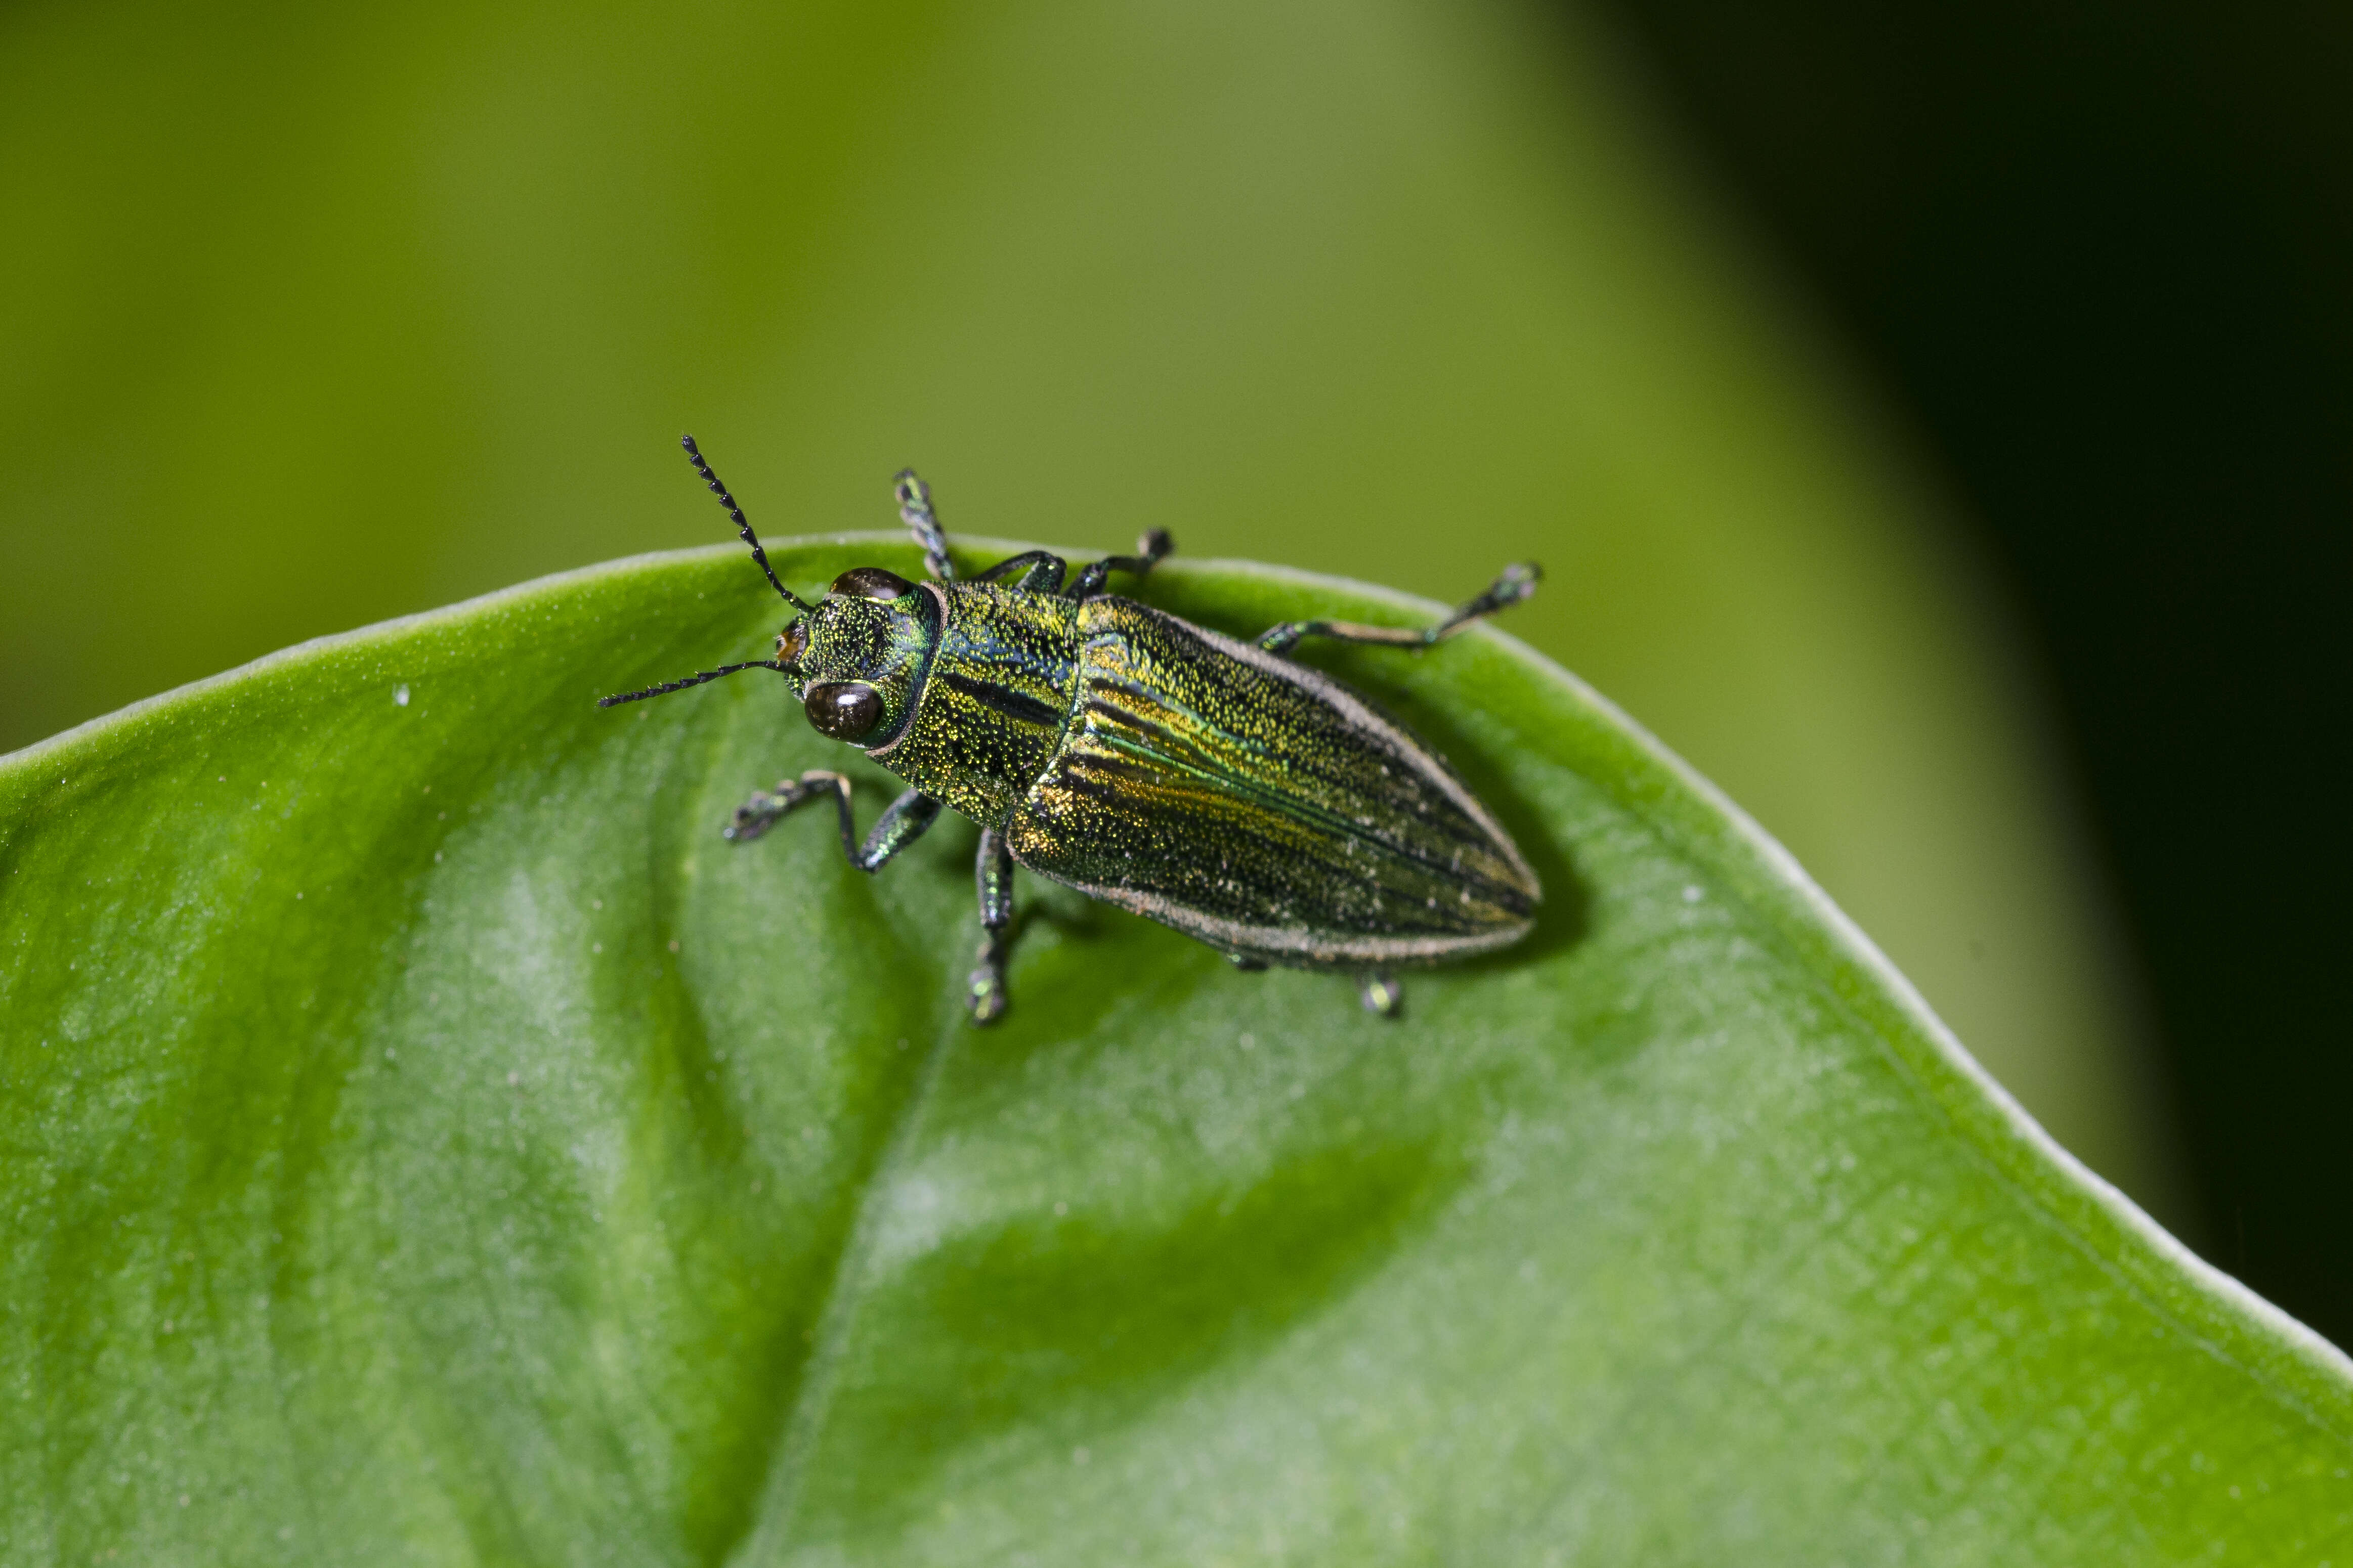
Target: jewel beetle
{"type": "Point", "coordinates": [1217, 786]}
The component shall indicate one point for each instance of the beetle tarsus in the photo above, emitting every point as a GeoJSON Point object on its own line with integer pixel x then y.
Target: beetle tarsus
{"type": "Point", "coordinates": [765, 810]}
{"type": "Point", "coordinates": [767, 807]}
{"type": "Point", "coordinates": [1381, 993]}
{"type": "Point", "coordinates": [1151, 549]}
{"type": "Point", "coordinates": [984, 992]}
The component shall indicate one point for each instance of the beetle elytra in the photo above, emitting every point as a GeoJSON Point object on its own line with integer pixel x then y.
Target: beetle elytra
{"type": "Point", "coordinates": [1217, 786]}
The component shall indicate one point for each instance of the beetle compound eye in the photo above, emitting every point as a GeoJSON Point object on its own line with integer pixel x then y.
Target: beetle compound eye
{"type": "Point", "coordinates": [845, 710]}
{"type": "Point", "coordinates": [871, 583]}
{"type": "Point", "coordinates": [792, 642]}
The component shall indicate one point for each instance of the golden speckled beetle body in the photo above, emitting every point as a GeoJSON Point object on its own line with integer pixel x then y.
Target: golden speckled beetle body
{"type": "Point", "coordinates": [1215, 786]}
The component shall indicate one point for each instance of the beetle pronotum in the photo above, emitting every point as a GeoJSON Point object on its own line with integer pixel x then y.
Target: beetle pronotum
{"type": "Point", "coordinates": [1217, 786]}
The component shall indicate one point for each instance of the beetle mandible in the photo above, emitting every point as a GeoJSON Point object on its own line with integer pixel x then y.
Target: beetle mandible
{"type": "Point", "coordinates": [1217, 786]}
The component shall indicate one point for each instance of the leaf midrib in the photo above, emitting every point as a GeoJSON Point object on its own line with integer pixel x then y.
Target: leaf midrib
{"type": "Point", "coordinates": [805, 1418]}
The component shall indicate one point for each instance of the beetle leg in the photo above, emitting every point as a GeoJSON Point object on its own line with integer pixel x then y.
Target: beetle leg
{"type": "Point", "coordinates": [1515, 583]}
{"type": "Point", "coordinates": [1245, 962]}
{"type": "Point", "coordinates": [916, 512]}
{"type": "Point", "coordinates": [992, 874]}
{"type": "Point", "coordinates": [901, 823]}
{"type": "Point", "coordinates": [1150, 549]}
{"type": "Point", "coordinates": [1381, 993]}
{"type": "Point", "coordinates": [760, 812]}
{"type": "Point", "coordinates": [1041, 572]}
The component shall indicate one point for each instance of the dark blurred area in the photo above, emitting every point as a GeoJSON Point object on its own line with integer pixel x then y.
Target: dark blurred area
{"type": "Point", "coordinates": [2105, 252]}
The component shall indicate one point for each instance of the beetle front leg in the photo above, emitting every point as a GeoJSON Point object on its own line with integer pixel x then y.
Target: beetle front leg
{"type": "Point", "coordinates": [762, 812]}
{"type": "Point", "coordinates": [1515, 583]}
{"type": "Point", "coordinates": [901, 823]}
{"type": "Point", "coordinates": [992, 875]}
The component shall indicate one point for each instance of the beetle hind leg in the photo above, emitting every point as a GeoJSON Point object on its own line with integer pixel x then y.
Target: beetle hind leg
{"type": "Point", "coordinates": [1381, 993]}
{"type": "Point", "coordinates": [992, 875]}
{"type": "Point", "coordinates": [1511, 585]}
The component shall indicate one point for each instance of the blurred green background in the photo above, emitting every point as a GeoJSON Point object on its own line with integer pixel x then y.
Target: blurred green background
{"type": "Point", "coordinates": [2101, 252]}
{"type": "Point", "coordinates": [311, 317]}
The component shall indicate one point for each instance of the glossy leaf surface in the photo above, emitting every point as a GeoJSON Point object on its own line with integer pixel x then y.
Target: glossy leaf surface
{"type": "Point", "coordinates": [426, 1140]}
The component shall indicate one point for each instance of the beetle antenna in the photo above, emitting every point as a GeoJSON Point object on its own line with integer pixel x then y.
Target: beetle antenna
{"type": "Point", "coordinates": [742, 526]}
{"type": "Point", "coordinates": [668, 686]}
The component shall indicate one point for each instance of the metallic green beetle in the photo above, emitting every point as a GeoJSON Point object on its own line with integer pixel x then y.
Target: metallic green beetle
{"type": "Point", "coordinates": [1214, 785]}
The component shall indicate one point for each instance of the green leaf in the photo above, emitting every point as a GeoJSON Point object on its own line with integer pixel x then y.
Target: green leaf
{"type": "Point", "coordinates": [427, 1140]}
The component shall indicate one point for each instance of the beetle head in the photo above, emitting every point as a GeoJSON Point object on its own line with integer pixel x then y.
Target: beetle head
{"type": "Point", "coordinates": [856, 655]}
{"type": "Point", "coordinates": [859, 653]}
